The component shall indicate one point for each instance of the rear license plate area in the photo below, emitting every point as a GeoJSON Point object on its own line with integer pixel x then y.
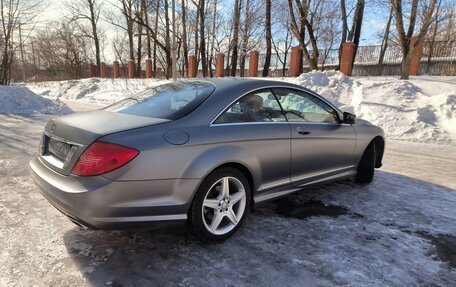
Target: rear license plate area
{"type": "Point", "coordinates": [59, 149]}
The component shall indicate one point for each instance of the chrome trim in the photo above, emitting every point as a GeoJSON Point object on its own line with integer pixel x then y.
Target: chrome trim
{"type": "Point", "coordinates": [267, 196]}
{"type": "Point", "coordinates": [322, 173]}
{"type": "Point", "coordinates": [262, 123]}
{"type": "Point", "coordinates": [331, 177]}
{"type": "Point", "coordinates": [142, 218]}
{"type": "Point", "coordinates": [274, 87]}
{"type": "Point", "coordinates": [275, 184]}
{"type": "Point", "coordinates": [50, 135]}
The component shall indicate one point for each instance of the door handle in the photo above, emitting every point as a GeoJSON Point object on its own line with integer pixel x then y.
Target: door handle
{"type": "Point", "coordinates": [302, 131]}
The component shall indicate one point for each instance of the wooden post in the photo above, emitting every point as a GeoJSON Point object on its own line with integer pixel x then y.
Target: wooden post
{"type": "Point", "coordinates": [131, 69]}
{"type": "Point", "coordinates": [91, 70]}
{"type": "Point", "coordinates": [295, 61]}
{"type": "Point", "coordinates": [253, 63]}
{"type": "Point", "coordinates": [415, 58]}
{"type": "Point", "coordinates": [115, 69]}
{"type": "Point", "coordinates": [346, 62]}
{"type": "Point", "coordinates": [148, 68]}
{"type": "Point", "coordinates": [192, 67]}
{"type": "Point", "coordinates": [219, 65]}
{"type": "Point", "coordinates": [103, 70]}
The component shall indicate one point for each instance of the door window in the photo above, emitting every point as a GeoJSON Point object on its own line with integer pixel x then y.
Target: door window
{"type": "Point", "coordinates": [300, 106]}
{"type": "Point", "coordinates": [258, 106]}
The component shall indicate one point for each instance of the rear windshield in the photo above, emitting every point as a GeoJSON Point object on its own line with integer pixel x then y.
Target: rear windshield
{"type": "Point", "coordinates": [170, 101]}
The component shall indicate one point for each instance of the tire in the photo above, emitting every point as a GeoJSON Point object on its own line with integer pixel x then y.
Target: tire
{"type": "Point", "coordinates": [217, 211]}
{"type": "Point", "coordinates": [366, 166]}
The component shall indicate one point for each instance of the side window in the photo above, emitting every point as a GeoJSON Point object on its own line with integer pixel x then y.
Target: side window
{"type": "Point", "coordinates": [259, 106]}
{"type": "Point", "coordinates": [299, 106]}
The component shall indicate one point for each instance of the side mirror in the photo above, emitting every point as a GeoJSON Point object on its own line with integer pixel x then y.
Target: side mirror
{"type": "Point", "coordinates": [349, 118]}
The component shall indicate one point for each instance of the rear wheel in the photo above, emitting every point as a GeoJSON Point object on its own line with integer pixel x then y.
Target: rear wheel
{"type": "Point", "coordinates": [220, 204]}
{"type": "Point", "coordinates": [366, 166]}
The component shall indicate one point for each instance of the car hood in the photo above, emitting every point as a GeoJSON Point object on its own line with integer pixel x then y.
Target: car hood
{"type": "Point", "coordinates": [84, 128]}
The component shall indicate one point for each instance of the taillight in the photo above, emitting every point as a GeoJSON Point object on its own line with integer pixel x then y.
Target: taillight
{"type": "Point", "coordinates": [102, 157]}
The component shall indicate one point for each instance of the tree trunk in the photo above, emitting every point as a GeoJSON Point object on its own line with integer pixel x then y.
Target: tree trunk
{"type": "Point", "coordinates": [267, 60]}
{"type": "Point", "coordinates": [357, 21]}
{"type": "Point", "coordinates": [202, 37]}
{"type": "Point", "coordinates": [155, 41]}
{"type": "Point", "coordinates": [184, 36]}
{"type": "Point", "coordinates": [211, 58]}
{"type": "Point", "coordinates": [96, 39]}
{"type": "Point", "coordinates": [169, 64]}
{"type": "Point", "coordinates": [146, 21]}
{"type": "Point", "coordinates": [343, 10]}
{"type": "Point", "coordinates": [384, 45]}
{"type": "Point", "coordinates": [235, 40]}
{"type": "Point", "coordinates": [139, 52]}
{"type": "Point", "coordinates": [404, 38]}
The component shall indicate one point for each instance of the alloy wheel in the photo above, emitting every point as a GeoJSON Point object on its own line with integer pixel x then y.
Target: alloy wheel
{"type": "Point", "coordinates": [224, 205]}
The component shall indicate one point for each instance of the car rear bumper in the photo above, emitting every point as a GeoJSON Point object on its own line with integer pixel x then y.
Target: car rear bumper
{"type": "Point", "coordinates": [100, 203]}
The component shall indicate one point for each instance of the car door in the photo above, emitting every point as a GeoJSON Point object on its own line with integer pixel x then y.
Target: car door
{"type": "Point", "coordinates": [321, 145]}
{"type": "Point", "coordinates": [256, 126]}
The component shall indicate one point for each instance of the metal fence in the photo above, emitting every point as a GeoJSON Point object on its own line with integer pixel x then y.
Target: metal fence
{"type": "Point", "coordinates": [438, 58]}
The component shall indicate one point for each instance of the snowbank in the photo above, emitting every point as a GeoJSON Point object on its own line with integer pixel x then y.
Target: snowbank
{"type": "Point", "coordinates": [95, 90]}
{"type": "Point", "coordinates": [421, 109]}
{"type": "Point", "coordinates": [21, 100]}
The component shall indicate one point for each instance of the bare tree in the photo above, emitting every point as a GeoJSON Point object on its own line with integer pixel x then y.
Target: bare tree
{"type": "Point", "coordinates": [61, 51]}
{"type": "Point", "coordinates": [303, 26]}
{"type": "Point", "coordinates": [353, 34]}
{"type": "Point", "coordinates": [85, 14]}
{"type": "Point", "coordinates": [267, 61]}
{"type": "Point", "coordinates": [384, 44]}
{"type": "Point", "coordinates": [13, 14]}
{"type": "Point", "coordinates": [405, 37]}
{"type": "Point", "coordinates": [235, 36]}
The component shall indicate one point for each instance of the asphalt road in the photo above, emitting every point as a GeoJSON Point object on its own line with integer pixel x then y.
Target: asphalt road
{"type": "Point", "coordinates": [398, 231]}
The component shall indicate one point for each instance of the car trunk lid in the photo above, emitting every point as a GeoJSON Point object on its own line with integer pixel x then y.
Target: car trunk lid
{"type": "Point", "coordinates": [65, 138]}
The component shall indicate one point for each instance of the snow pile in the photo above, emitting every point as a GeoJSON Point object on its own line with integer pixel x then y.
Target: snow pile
{"type": "Point", "coordinates": [421, 109]}
{"type": "Point", "coordinates": [333, 85]}
{"type": "Point", "coordinates": [21, 100]}
{"type": "Point", "coordinates": [95, 90]}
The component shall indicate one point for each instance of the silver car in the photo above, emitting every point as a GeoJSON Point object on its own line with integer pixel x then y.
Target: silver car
{"type": "Point", "coordinates": [202, 151]}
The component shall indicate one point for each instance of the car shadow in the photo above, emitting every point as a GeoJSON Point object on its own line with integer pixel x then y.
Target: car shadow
{"type": "Point", "coordinates": [303, 238]}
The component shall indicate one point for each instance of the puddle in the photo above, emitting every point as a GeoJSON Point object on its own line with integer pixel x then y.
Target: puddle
{"type": "Point", "coordinates": [445, 246]}
{"type": "Point", "coordinates": [302, 210]}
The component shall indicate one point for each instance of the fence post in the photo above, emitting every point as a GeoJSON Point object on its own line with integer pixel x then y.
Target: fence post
{"type": "Point", "coordinates": [253, 63]}
{"type": "Point", "coordinates": [103, 70]}
{"type": "Point", "coordinates": [415, 58]}
{"type": "Point", "coordinates": [295, 61]}
{"type": "Point", "coordinates": [91, 70]}
{"type": "Point", "coordinates": [219, 69]}
{"type": "Point", "coordinates": [148, 68]}
{"type": "Point", "coordinates": [131, 69]}
{"type": "Point", "coordinates": [346, 62]}
{"type": "Point", "coordinates": [115, 69]}
{"type": "Point", "coordinates": [192, 67]}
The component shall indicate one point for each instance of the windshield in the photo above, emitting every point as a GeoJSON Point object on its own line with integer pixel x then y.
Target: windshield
{"type": "Point", "coordinates": [170, 101]}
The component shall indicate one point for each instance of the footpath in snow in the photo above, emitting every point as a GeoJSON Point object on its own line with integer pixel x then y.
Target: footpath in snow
{"type": "Point", "coordinates": [421, 109]}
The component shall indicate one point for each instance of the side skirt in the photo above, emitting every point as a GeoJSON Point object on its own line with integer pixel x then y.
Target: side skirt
{"type": "Point", "coordinates": [282, 191]}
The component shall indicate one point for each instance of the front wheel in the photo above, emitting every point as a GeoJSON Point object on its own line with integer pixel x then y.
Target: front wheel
{"type": "Point", "coordinates": [220, 204]}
